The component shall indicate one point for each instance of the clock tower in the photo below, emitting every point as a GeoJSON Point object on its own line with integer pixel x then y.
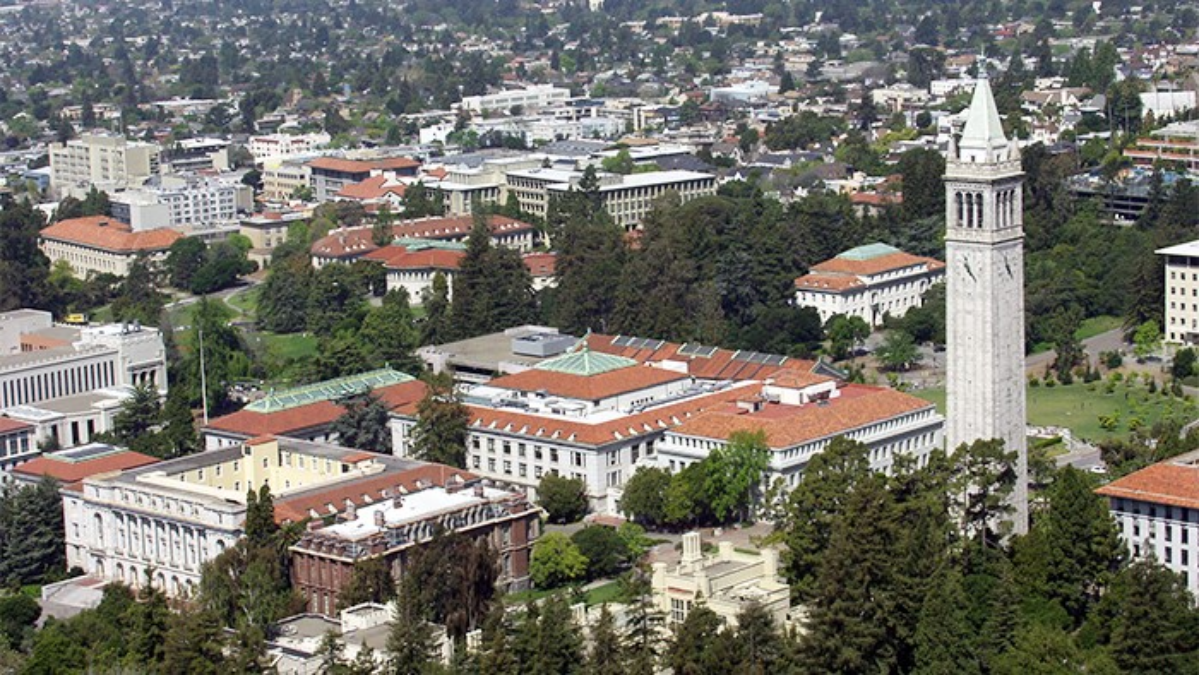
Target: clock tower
{"type": "Point", "coordinates": [984, 250]}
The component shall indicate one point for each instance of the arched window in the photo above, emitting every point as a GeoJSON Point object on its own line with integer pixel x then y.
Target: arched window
{"type": "Point", "coordinates": [958, 199]}
{"type": "Point", "coordinates": [978, 204]}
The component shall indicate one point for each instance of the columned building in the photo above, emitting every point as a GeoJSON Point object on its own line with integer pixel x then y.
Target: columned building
{"type": "Point", "coordinates": [984, 246]}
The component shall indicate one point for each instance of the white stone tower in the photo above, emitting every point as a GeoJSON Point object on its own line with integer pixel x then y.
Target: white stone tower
{"type": "Point", "coordinates": [984, 249]}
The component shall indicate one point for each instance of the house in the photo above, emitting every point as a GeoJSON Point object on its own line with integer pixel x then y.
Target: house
{"type": "Point", "coordinates": [103, 244]}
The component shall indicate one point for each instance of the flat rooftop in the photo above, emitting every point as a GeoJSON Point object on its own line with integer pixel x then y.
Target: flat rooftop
{"type": "Point", "coordinates": [415, 507]}
{"type": "Point", "coordinates": [489, 351]}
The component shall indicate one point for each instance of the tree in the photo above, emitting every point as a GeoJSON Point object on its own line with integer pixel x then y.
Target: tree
{"type": "Point", "coordinates": [591, 256]}
{"type": "Point", "coordinates": [184, 259]}
{"type": "Point", "coordinates": [410, 642]}
{"type": "Point", "coordinates": [733, 474]}
{"type": "Point", "coordinates": [389, 333]}
{"type": "Point", "coordinates": [492, 289]}
{"type": "Point", "coordinates": [923, 191]}
{"type": "Point", "coordinates": [1155, 626]}
{"type": "Point", "coordinates": [138, 298]}
{"type": "Point", "coordinates": [845, 333]}
{"type": "Point", "coordinates": [556, 561]}
{"type": "Point", "coordinates": [643, 623]}
{"type": "Point", "coordinates": [422, 202]}
{"type": "Point", "coordinates": [1183, 365]}
{"type": "Point", "coordinates": [371, 581]}
{"type": "Point", "coordinates": [560, 647]}
{"type": "Point", "coordinates": [32, 533]}
{"type": "Point", "coordinates": [564, 499]}
{"type": "Point", "coordinates": [604, 549]}
{"type": "Point", "coordinates": [24, 269]}
{"type": "Point", "coordinates": [621, 162]}
{"type": "Point", "coordinates": [1147, 339]}
{"type": "Point", "coordinates": [335, 301]}
{"type": "Point", "coordinates": [381, 231]}
{"type": "Point", "coordinates": [135, 424]}
{"type": "Point", "coordinates": [193, 644]}
{"type": "Point", "coordinates": [437, 327]}
{"type": "Point", "coordinates": [260, 526]}
{"type": "Point", "coordinates": [694, 648]}
{"type": "Point", "coordinates": [18, 615]}
{"type": "Point", "coordinates": [984, 475]}
{"type": "Point", "coordinates": [283, 298]}
{"type": "Point", "coordinates": [363, 425]}
{"type": "Point", "coordinates": [943, 635]}
{"type": "Point", "coordinates": [644, 497]}
{"type": "Point", "coordinates": [898, 351]}
{"type": "Point", "coordinates": [454, 578]}
{"type": "Point", "coordinates": [604, 655]}
{"type": "Point", "coordinates": [441, 427]}
{"type": "Point", "coordinates": [496, 654]}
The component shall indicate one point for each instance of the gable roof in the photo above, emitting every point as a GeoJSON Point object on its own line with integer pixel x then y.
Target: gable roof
{"type": "Point", "coordinates": [70, 472]}
{"type": "Point", "coordinates": [362, 166]}
{"type": "Point", "coordinates": [108, 234]}
{"type": "Point", "coordinates": [703, 362]}
{"type": "Point", "coordinates": [402, 258]}
{"type": "Point", "coordinates": [588, 387]}
{"type": "Point", "coordinates": [251, 423]}
{"type": "Point", "coordinates": [1172, 482]}
{"type": "Point", "coordinates": [375, 187]}
{"type": "Point", "coordinates": [299, 507]}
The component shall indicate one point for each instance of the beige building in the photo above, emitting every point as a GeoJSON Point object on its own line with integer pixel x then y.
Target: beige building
{"type": "Point", "coordinates": [1182, 293]}
{"type": "Point", "coordinates": [100, 244]}
{"type": "Point", "coordinates": [871, 282]}
{"type": "Point", "coordinates": [725, 583]}
{"type": "Point", "coordinates": [280, 179]}
{"type": "Point", "coordinates": [268, 230]}
{"type": "Point", "coordinates": [107, 161]}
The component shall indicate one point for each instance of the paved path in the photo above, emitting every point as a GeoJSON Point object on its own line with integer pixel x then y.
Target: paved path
{"type": "Point", "coordinates": [1111, 341]}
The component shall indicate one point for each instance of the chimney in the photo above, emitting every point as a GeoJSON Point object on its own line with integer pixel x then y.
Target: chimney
{"type": "Point", "coordinates": [351, 510]}
{"type": "Point", "coordinates": [479, 491]}
{"type": "Point", "coordinates": [691, 548]}
{"type": "Point", "coordinates": [397, 502]}
{"type": "Point", "coordinates": [380, 521]}
{"type": "Point", "coordinates": [726, 550]}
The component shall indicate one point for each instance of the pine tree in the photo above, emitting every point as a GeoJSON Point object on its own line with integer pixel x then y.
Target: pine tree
{"type": "Point", "coordinates": [364, 425]}
{"type": "Point", "coordinates": [588, 269]}
{"type": "Point", "coordinates": [1157, 627]}
{"type": "Point", "coordinates": [260, 524]}
{"type": "Point", "coordinates": [526, 638]}
{"type": "Point", "coordinates": [943, 635]}
{"type": "Point", "coordinates": [691, 650]}
{"type": "Point", "coordinates": [148, 621]}
{"type": "Point", "coordinates": [390, 335]}
{"type": "Point", "coordinates": [193, 645]}
{"type": "Point", "coordinates": [761, 649]}
{"type": "Point", "coordinates": [497, 656]}
{"type": "Point", "coordinates": [371, 581]}
{"type": "Point", "coordinates": [440, 432]}
{"type": "Point", "coordinates": [643, 624]}
{"type": "Point", "coordinates": [437, 327]}
{"type": "Point", "coordinates": [604, 657]}
{"type": "Point", "coordinates": [411, 640]}
{"type": "Point", "coordinates": [559, 649]}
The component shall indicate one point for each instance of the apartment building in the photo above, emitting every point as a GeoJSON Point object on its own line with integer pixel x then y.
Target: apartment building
{"type": "Point", "coordinates": [1157, 512]}
{"type": "Point", "coordinates": [68, 382]}
{"type": "Point", "coordinates": [281, 179]}
{"type": "Point", "coordinates": [870, 282]}
{"type": "Point", "coordinates": [17, 444]}
{"type": "Point", "coordinates": [103, 244]}
{"type": "Point", "coordinates": [1182, 293]}
{"type": "Point", "coordinates": [167, 519]}
{"type": "Point", "coordinates": [268, 230]}
{"type": "Point", "coordinates": [107, 161]}
{"type": "Point", "coordinates": [405, 512]}
{"type": "Point", "coordinates": [281, 146]}
{"type": "Point", "coordinates": [627, 199]}
{"type": "Point", "coordinates": [185, 204]}
{"type": "Point", "coordinates": [530, 98]}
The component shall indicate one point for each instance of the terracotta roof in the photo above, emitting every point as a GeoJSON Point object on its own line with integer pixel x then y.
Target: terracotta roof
{"type": "Point", "coordinates": [1171, 482]}
{"type": "Point", "coordinates": [540, 264]}
{"type": "Point", "coordinates": [718, 364]}
{"type": "Point", "coordinates": [362, 166]}
{"type": "Point", "coordinates": [73, 472]}
{"type": "Point", "coordinates": [345, 243]}
{"type": "Point", "coordinates": [8, 426]}
{"type": "Point", "coordinates": [603, 433]}
{"type": "Point", "coordinates": [587, 387]}
{"type": "Point", "coordinates": [37, 342]}
{"type": "Point", "coordinates": [400, 258]}
{"type": "Point", "coordinates": [787, 426]}
{"type": "Point", "coordinates": [883, 263]}
{"type": "Point", "coordinates": [284, 422]}
{"type": "Point", "coordinates": [375, 187]}
{"type": "Point", "coordinates": [829, 282]}
{"type": "Point", "coordinates": [355, 241]}
{"type": "Point", "coordinates": [877, 198]}
{"type": "Point", "coordinates": [793, 378]}
{"type": "Point", "coordinates": [109, 234]}
{"type": "Point", "coordinates": [299, 507]}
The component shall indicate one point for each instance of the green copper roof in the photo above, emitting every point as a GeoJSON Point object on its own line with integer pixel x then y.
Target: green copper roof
{"type": "Point", "coordinates": [413, 244]}
{"type": "Point", "coordinates": [868, 252]}
{"type": "Point", "coordinates": [329, 390]}
{"type": "Point", "coordinates": [585, 362]}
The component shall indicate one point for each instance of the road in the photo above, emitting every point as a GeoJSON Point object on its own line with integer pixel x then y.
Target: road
{"type": "Point", "coordinates": [1111, 341]}
{"type": "Point", "coordinates": [244, 284]}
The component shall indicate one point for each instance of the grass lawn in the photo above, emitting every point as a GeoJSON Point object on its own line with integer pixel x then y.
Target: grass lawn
{"type": "Point", "coordinates": [245, 302]}
{"type": "Point", "coordinates": [609, 592]}
{"type": "Point", "coordinates": [1078, 407]}
{"type": "Point", "coordinates": [1096, 325]}
{"type": "Point", "coordinates": [293, 346]}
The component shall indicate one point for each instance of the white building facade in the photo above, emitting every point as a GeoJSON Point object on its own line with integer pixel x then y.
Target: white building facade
{"type": "Point", "coordinates": [106, 161]}
{"type": "Point", "coordinates": [184, 204]}
{"type": "Point", "coordinates": [871, 282]}
{"type": "Point", "coordinates": [1182, 293]}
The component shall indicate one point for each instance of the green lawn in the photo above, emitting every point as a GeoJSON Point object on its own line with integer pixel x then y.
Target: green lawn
{"type": "Point", "coordinates": [609, 592]}
{"type": "Point", "coordinates": [1096, 325]}
{"type": "Point", "coordinates": [293, 346]}
{"type": "Point", "coordinates": [1078, 407]}
{"type": "Point", "coordinates": [245, 302]}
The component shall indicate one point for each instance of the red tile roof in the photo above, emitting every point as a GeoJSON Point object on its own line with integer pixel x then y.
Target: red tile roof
{"type": "Point", "coordinates": [375, 187]}
{"type": "Point", "coordinates": [300, 507]}
{"type": "Point", "coordinates": [400, 258]}
{"type": "Point", "coordinates": [109, 234]}
{"type": "Point", "coordinates": [73, 472]}
{"type": "Point", "coordinates": [1171, 482]}
{"type": "Point", "coordinates": [720, 365]}
{"type": "Point", "coordinates": [540, 264]}
{"type": "Point", "coordinates": [8, 426]}
{"type": "Point", "coordinates": [877, 265]}
{"type": "Point", "coordinates": [787, 426]}
{"type": "Point", "coordinates": [836, 283]}
{"type": "Point", "coordinates": [355, 241]}
{"type": "Point", "coordinates": [285, 422]}
{"type": "Point", "coordinates": [362, 166]}
{"type": "Point", "coordinates": [603, 433]}
{"type": "Point", "coordinates": [588, 387]}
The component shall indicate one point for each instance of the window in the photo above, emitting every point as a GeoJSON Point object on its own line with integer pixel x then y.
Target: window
{"type": "Point", "coordinates": [491, 464]}
{"type": "Point", "coordinates": [476, 461]}
{"type": "Point", "coordinates": [520, 449]}
{"type": "Point", "coordinates": [576, 458]}
{"type": "Point", "coordinates": [507, 448]}
{"type": "Point", "coordinates": [522, 470]}
{"type": "Point", "coordinates": [554, 455]}
{"type": "Point", "coordinates": [507, 468]}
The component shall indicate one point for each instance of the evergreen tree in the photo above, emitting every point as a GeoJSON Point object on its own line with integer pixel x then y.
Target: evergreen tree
{"type": "Point", "coordinates": [604, 656]}
{"type": "Point", "coordinates": [193, 644]}
{"type": "Point", "coordinates": [643, 624]}
{"type": "Point", "coordinates": [984, 477]}
{"type": "Point", "coordinates": [363, 425]}
{"type": "Point", "coordinates": [260, 516]}
{"type": "Point", "coordinates": [943, 635]}
{"type": "Point", "coordinates": [381, 231]}
{"type": "Point", "coordinates": [283, 297]}
{"type": "Point", "coordinates": [759, 645]}
{"type": "Point", "coordinates": [149, 620]}
{"type": "Point", "coordinates": [591, 257]}
{"type": "Point", "coordinates": [559, 648]}
{"type": "Point", "coordinates": [492, 289]}
{"type": "Point", "coordinates": [371, 581]}
{"type": "Point", "coordinates": [440, 431]}
{"type": "Point", "coordinates": [134, 426]}
{"type": "Point", "coordinates": [692, 650]}
{"type": "Point", "coordinates": [1156, 629]}
{"type": "Point", "coordinates": [437, 327]}
{"type": "Point", "coordinates": [410, 643]}
{"type": "Point", "coordinates": [32, 532]}
{"type": "Point", "coordinates": [390, 334]}
{"type": "Point", "coordinates": [526, 639]}
{"type": "Point", "coordinates": [138, 298]}
{"type": "Point", "coordinates": [496, 656]}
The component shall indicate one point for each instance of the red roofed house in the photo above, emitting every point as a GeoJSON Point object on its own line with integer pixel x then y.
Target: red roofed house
{"type": "Point", "coordinates": [351, 243]}
{"type": "Point", "coordinates": [870, 282]}
{"type": "Point", "coordinates": [100, 244]}
{"type": "Point", "coordinates": [332, 174]}
{"type": "Point", "coordinates": [413, 265]}
{"type": "Point", "coordinates": [1157, 512]}
{"type": "Point", "coordinates": [541, 268]}
{"type": "Point", "coordinates": [383, 188]}
{"type": "Point", "coordinates": [17, 443]}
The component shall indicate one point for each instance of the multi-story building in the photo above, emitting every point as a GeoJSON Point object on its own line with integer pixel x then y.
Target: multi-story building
{"type": "Point", "coordinates": [281, 179]}
{"type": "Point", "coordinates": [103, 244]}
{"type": "Point", "coordinates": [1177, 143]}
{"type": "Point", "coordinates": [1182, 293]}
{"type": "Point", "coordinates": [68, 381]}
{"type": "Point", "coordinates": [168, 519]}
{"type": "Point", "coordinates": [404, 512]}
{"type": "Point", "coordinates": [530, 98]}
{"type": "Point", "coordinates": [197, 154]}
{"type": "Point", "coordinates": [185, 204]}
{"type": "Point", "coordinates": [332, 174]}
{"type": "Point", "coordinates": [267, 230]}
{"type": "Point", "coordinates": [17, 444]}
{"type": "Point", "coordinates": [871, 282]}
{"type": "Point", "coordinates": [725, 583]}
{"type": "Point", "coordinates": [282, 146]}
{"type": "Point", "coordinates": [413, 264]}
{"type": "Point", "coordinates": [307, 412]}
{"type": "Point", "coordinates": [800, 413]}
{"type": "Point", "coordinates": [70, 467]}
{"type": "Point", "coordinates": [1157, 512]}
{"type": "Point", "coordinates": [351, 243]}
{"type": "Point", "coordinates": [106, 161]}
